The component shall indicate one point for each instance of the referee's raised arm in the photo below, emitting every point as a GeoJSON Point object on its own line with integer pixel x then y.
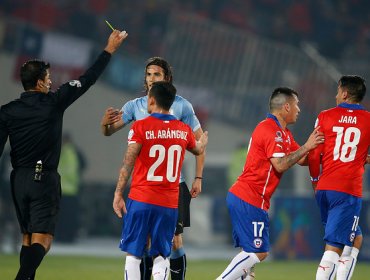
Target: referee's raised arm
{"type": "Point", "coordinates": [70, 91]}
{"type": "Point", "coordinates": [33, 123]}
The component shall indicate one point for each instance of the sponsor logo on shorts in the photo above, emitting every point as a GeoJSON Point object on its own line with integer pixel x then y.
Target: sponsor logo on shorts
{"type": "Point", "coordinates": [257, 242]}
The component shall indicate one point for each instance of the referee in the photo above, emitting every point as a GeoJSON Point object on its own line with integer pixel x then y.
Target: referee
{"type": "Point", "coordinates": [33, 124]}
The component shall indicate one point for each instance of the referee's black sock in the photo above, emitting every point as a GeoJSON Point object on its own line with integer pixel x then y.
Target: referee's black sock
{"type": "Point", "coordinates": [21, 255]}
{"type": "Point", "coordinates": [30, 258]}
{"type": "Point", "coordinates": [178, 264]}
{"type": "Point", "coordinates": [146, 268]}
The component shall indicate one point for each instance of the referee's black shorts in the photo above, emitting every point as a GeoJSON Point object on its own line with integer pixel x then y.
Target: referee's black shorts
{"type": "Point", "coordinates": [36, 202]}
{"type": "Point", "coordinates": [184, 209]}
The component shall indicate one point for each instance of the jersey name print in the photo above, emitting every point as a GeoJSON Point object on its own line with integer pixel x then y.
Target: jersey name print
{"type": "Point", "coordinates": [156, 174]}
{"type": "Point", "coordinates": [347, 139]}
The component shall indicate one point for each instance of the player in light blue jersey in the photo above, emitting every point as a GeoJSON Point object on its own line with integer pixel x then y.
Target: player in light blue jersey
{"type": "Point", "coordinates": [158, 69]}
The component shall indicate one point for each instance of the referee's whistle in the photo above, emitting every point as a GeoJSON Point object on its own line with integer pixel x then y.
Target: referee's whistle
{"type": "Point", "coordinates": [38, 171]}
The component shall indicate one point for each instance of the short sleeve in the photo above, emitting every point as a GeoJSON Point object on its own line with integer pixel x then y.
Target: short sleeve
{"type": "Point", "coordinates": [189, 117]}
{"type": "Point", "coordinates": [128, 112]}
{"type": "Point", "coordinates": [135, 134]}
{"type": "Point", "coordinates": [191, 139]}
{"type": "Point", "coordinates": [270, 140]}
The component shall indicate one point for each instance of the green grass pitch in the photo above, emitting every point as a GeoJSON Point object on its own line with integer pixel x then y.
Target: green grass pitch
{"type": "Point", "coordinates": [104, 268]}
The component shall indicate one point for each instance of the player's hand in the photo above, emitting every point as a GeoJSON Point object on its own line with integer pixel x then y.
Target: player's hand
{"type": "Point", "coordinates": [119, 205]}
{"type": "Point", "coordinates": [115, 40]}
{"type": "Point", "coordinates": [314, 185]}
{"type": "Point", "coordinates": [368, 159]}
{"type": "Point", "coordinates": [196, 188]}
{"type": "Point", "coordinates": [316, 138]}
{"type": "Point", "coordinates": [111, 115]}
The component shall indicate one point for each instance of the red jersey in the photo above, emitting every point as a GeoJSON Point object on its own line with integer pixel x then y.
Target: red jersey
{"type": "Point", "coordinates": [259, 179]}
{"type": "Point", "coordinates": [156, 174]}
{"type": "Point", "coordinates": [343, 154]}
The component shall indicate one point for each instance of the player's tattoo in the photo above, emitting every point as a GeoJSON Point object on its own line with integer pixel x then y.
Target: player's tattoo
{"type": "Point", "coordinates": [132, 152]}
{"type": "Point", "coordinates": [291, 159]}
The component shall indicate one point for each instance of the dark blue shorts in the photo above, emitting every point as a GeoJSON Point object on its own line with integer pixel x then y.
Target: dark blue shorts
{"type": "Point", "coordinates": [250, 225]}
{"type": "Point", "coordinates": [340, 213]}
{"type": "Point", "coordinates": [144, 220]}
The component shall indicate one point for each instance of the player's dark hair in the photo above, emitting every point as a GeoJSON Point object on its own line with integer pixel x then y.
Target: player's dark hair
{"type": "Point", "coordinates": [355, 86]}
{"type": "Point", "coordinates": [280, 96]}
{"type": "Point", "coordinates": [159, 61]}
{"type": "Point", "coordinates": [164, 94]}
{"type": "Point", "coordinates": [32, 71]}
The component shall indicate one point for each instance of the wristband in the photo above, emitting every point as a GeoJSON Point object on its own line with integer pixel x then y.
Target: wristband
{"type": "Point", "coordinates": [316, 179]}
{"type": "Point", "coordinates": [198, 177]}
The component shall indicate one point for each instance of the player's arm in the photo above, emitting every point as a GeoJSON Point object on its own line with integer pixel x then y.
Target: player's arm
{"type": "Point", "coordinates": [196, 187]}
{"type": "Point", "coordinates": [368, 159]}
{"type": "Point", "coordinates": [200, 145]}
{"type": "Point", "coordinates": [129, 159]}
{"type": "Point", "coordinates": [282, 164]}
{"type": "Point", "coordinates": [314, 163]}
{"type": "Point", "coordinates": [111, 121]}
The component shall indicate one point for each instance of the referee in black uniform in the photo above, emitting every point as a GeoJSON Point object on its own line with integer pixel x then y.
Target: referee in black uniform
{"type": "Point", "coordinates": [33, 124]}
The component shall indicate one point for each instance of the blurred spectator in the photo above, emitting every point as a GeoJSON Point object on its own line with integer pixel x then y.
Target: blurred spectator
{"type": "Point", "coordinates": [71, 165]}
{"type": "Point", "coordinates": [237, 162]}
{"type": "Point", "coordinates": [323, 23]}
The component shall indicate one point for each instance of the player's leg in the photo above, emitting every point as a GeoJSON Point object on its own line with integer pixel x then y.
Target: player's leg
{"type": "Point", "coordinates": [134, 238]}
{"type": "Point", "coordinates": [161, 268]}
{"type": "Point", "coordinates": [251, 232]}
{"type": "Point", "coordinates": [161, 240]}
{"type": "Point", "coordinates": [340, 225]}
{"type": "Point", "coordinates": [178, 259]}
{"type": "Point", "coordinates": [37, 216]}
{"type": "Point", "coordinates": [251, 274]}
{"type": "Point", "coordinates": [240, 264]}
{"type": "Point", "coordinates": [178, 256]}
{"type": "Point", "coordinates": [146, 265]}
{"type": "Point", "coordinates": [132, 267]}
{"type": "Point", "coordinates": [329, 263]}
{"type": "Point", "coordinates": [348, 259]}
{"type": "Point", "coordinates": [32, 254]}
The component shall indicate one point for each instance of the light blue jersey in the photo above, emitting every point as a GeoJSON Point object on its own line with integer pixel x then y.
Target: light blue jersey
{"type": "Point", "coordinates": [182, 109]}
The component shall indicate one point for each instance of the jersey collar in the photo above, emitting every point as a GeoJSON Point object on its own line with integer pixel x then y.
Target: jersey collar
{"type": "Point", "coordinates": [271, 116]}
{"type": "Point", "coordinates": [164, 117]}
{"type": "Point", "coordinates": [351, 106]}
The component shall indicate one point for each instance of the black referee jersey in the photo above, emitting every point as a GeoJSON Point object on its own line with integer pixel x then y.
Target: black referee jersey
{"type": "Point", "coordinates": [34, 121]}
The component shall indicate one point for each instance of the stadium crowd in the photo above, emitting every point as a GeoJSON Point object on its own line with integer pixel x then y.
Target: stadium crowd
{"type": "Point", "coordinates": [325, 24]}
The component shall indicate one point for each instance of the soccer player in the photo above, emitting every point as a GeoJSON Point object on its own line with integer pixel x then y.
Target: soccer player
{"type": "Point", "coordinates": [338, 188]}
{"type": "Point", "coordinates": [158, 69]}
{"type": "Point", "coordinates": [156, 146]}
{"type": "Point", "coordinates": [272, 150]}
{"type": "Point", "coordinates": [33, 124]}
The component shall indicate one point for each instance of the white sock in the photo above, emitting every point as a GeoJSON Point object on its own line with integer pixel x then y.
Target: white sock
{"type": "Point", "coordinates": [132, 268]}
{"type": "Point", "coordinates": [239, 266]}
{"type": "Point", "coordinates": [347, 263]}
{"type": "Point", "coordinates": [328, 266]}
{"type": "Point", "coordinates": [161, 268]}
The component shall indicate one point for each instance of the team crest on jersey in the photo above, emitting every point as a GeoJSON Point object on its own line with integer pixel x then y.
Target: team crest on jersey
{"type": "Point", "coordinates": [75, 83]}
{"type": "Point", "coordinates": [257, 242]}
{"type": "Point", "coordinates": [352, 236]}
{"type": "Point", "coordinates": [279, 136]}
{"type": "Point", "coordinates": [130, 134]}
